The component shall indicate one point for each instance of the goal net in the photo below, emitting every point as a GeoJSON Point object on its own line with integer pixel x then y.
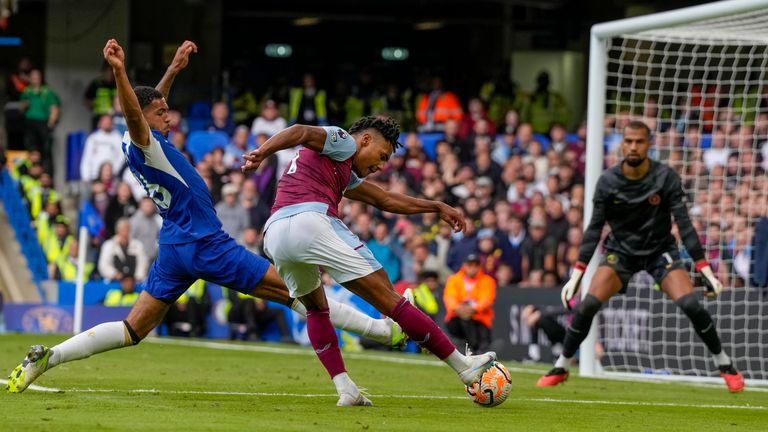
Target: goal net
{"type": "Point", "coordinates": [701, 84]}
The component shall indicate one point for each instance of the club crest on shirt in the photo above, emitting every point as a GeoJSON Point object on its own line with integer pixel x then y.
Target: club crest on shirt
{"type": "Point", "coordinates": [654, 199]}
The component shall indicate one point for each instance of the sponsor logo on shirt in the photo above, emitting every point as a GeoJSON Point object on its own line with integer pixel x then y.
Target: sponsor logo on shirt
{"type": "Point", "coordinates": [654, 199]}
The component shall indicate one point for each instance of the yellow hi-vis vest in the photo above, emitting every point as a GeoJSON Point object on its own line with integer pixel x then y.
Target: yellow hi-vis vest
{"type": "Point", "coordinates": [115, 297]}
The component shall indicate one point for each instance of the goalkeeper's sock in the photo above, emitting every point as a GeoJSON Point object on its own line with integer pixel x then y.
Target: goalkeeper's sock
{"type": "Point", "coordinates": [324, 341]}
{"type": "Point", "coordinates": [103, 337]}
{"type": "Point", "coordinates": [701, 320]}
{"type": "Point", "coordinates": [563, 362]}
{"type": "Point", "coordinates": [347, 318]}
{"type": "Point", "coordinates": [422, 330]}
{"type": "Point", "coordinates": [722, 359]}
{"type": "Point", "coordinates": [579, 328]}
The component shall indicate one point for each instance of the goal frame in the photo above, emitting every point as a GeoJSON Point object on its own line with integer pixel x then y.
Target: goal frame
{"type": "Point", "coordinates": [600, 35]}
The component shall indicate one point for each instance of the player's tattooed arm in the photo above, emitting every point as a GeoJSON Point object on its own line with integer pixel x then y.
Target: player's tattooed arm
{"type": "Point", "coordinates": [395, 202]}
{"type": "Point", "coordinates": [180, 61]}
{"type": "Point", "coordinates": [311, 137]}
{"type": "Point", "coordinates": [137, 124]}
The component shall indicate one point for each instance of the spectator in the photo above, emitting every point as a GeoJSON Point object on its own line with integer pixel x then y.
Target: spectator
{"type": "Point", "coordinates": [424, 293]}
{"type": "Point", "coordinates": [233, 216]}
{"type": "Point", "coordinates": [250, 316]}
{"type": "Point", "coordinates": [425, 262]}
{"type": "Point", "coordinates": [469, 296]}
{"type": "Point", "coordinates": [463, 247]}
{"type": "Point", "coordinates": [145, 226]}
{"type": "Point", "coordinates": [475, 113]}
{"type": "Point", "coordinates": [58, 244]}
{"type": "Point", "coordinates": [122, 255]}
{"type": "Point", "coordinates": [65, 267]}
{"type": "Point", "coordinates": [488, 253]}
{"type": "Point", "coordinates": [18, 80]}
{"type": "Point", "coordinates": [548, 322]}
{"type": "Point", "coordinates": [538, 255]}
{"type": "Point", "coordinates": [717, 154]}
{"type": "Point", "coordinates": [118, 118]}
{"type": "Point", "coordinates": [188, 315]}
{"type": "Point", "coordinates": [557, 223]}
{"type": "Point", "coordinates": [308, 104]}
{"type": "Point", "coordinates": [100, 94]}
{"type": "Point", "coordinates": [437, 107]}
{"type": "Point", "coordinates": [220, 120]}
{"type": "Point", "coordinates": [45, 221]}
{"type": "Point", "coordinates": [41, 108]}
{"type": "Point", "coordinates": [269, 122]}
{"type": "Point", "coordinates": [126, 295]}
{"type": "Point", "coordinates": [238, 145]}
{"type": "Point", "coordinates": [396, 104]}
{"type": "Point", "coordinates": [104, 145]}
{"type": "Point", "coordinates": [40, 193]}
{"type": "Point", "coordinates": [545, 107]}
{"type": "Point", "coordinates": [122, 205]}
{"type": "Point", "coordinates": [386, 250]}
{"type": "Point", "coordinates": [253, 241]}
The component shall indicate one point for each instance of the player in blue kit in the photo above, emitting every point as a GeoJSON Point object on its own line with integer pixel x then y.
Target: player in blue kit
{"type": "Point", "coordinates": [192, 244]}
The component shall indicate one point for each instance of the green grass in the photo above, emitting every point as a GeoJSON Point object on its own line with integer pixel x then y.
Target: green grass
{"type": "Point", "coordinates": [179, 379]}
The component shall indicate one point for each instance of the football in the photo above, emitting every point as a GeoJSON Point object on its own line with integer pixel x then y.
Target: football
{"type": "Point", "coordinates": [493, 388]}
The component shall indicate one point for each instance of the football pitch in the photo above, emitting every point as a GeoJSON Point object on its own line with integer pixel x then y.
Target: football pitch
{"type": "Point", "coordinates": [186, 385]}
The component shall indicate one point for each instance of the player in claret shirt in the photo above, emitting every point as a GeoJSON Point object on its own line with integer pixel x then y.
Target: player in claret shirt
{"type": "Point", "coordinates": [304, 232]}
{"type": "Point", "coordinates": [638, 199]}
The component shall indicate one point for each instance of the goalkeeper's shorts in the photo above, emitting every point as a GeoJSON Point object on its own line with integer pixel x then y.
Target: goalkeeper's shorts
{"type": "Point", "coordinates": [658, 265]}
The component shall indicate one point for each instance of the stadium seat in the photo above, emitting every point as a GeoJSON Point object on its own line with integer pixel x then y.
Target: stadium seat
{"type": "Point", "coordinates": [544, 140]}
{"type": "Point", "coordinates": [429, 143]}
{"type": "Point", "coordinates": [75, 147]}
{"type": "Point", "coordinates": [200, 143]}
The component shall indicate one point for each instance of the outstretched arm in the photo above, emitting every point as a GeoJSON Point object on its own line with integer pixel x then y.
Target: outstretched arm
{"type": "Point", "coordinates": [180, 61]}
{"type": "Point", "coordinates": [395, 202]}
{"type": "Point", "coordinates": [137, 125]}
{"type": "Point", "coordinates": [311, 137]}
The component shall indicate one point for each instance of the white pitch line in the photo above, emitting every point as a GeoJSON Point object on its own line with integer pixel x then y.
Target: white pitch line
{"type": "Point", "coordinates": [308, 352]}
{"type": "Point", "coordinates": [394, 396]}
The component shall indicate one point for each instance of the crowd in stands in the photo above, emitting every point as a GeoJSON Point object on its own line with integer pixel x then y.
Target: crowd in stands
{"type": "Point", "coordinates": [513, 161]}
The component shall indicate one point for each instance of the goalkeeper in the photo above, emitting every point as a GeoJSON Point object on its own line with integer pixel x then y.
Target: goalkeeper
{"type": "Point", "coordinates": [638, 198]}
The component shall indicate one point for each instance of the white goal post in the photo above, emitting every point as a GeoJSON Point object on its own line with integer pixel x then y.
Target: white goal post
{"type": "Point", "coordinates": [699, 77]}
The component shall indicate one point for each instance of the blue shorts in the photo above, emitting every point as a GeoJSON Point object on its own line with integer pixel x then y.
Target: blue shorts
{"type": "Point", "coordinates": [216, 258]}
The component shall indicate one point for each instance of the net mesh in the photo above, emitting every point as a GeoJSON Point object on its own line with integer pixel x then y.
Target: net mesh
{"type": "Point", "coordinates": [702, 89]}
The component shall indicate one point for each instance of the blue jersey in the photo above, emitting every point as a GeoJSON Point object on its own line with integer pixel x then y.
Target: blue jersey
{"type": "Point", "coordinates": [181, 196]}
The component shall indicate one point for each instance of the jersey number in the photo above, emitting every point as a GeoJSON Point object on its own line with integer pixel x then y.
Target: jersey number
{"type": "Point", "coordinates": [292, 167]}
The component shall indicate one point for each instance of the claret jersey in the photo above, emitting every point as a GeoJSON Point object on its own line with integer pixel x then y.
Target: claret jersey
{"type": "Point", "coordinates": [316, 181]}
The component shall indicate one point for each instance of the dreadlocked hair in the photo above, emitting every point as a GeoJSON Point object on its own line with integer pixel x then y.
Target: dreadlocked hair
{"type": "Point", "coordinates": [386, 126]}
{"type": "Point", "coordinates": [146, 95]}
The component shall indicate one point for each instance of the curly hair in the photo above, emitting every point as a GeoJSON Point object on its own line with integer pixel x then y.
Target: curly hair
{"type": "Point", "coordinates": [146, 95]}
{"type": "Point", "coordinates": [386, 126]}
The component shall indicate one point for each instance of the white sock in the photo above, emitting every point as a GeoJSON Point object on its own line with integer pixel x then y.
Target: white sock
{"type": "Point", "coordinates": [534, 352]}
{"type": "Point", "coordinates": [562, 362]}
{"type": "Point", "coordinates": [103, 337]}
{"type": "Point", "coordinates": [350, 319]}
{"type": "Point", "coordinates": [457, 361]}
{"type": "Point", "coordinates": [344, 384]}
{"type": "Point", "coordinates": [722, 359]}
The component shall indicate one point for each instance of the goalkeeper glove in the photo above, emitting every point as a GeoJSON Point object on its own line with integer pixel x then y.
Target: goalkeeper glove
{"type": "Point", "coordinates": [714, 287]}
{"type": "Point", "coordinates": [572, 286]}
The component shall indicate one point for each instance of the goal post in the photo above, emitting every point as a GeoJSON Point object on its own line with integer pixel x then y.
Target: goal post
{"type": "Point", "coordinates": [699, 77]}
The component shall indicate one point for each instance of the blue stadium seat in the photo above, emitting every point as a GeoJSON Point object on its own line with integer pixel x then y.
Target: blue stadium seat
{"type": "Point", "coordinates": [75, 148]}
{"type": "Point", "coordinates": [544, 140]}
{"type": "Point", "coordinates": [706, 141]}
{"type": "Point", "coordinates": [429, 143]}
{"type": "Point", "coordinates": [18, 218]}
{"type": "Point", "coordinates": [200, 143]}
{"type": "Point", "coordinates": [199, 110]}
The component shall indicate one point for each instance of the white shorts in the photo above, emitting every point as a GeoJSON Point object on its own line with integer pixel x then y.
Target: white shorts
{"type": "Point", "coordinates": [300, 243]}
